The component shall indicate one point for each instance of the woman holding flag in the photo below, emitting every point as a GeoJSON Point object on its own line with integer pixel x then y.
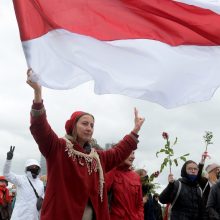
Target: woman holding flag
{"type": "Point", "coordinates": [75, 183]}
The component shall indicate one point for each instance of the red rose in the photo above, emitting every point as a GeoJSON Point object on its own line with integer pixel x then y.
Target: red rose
{"type": "Point", "coordinates": [165, 135]}
{"type": "Point", "coordinates": [156, 174]}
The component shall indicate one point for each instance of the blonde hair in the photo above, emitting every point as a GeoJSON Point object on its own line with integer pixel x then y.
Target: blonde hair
{"type": "Point", "coordinates": [212, 176]}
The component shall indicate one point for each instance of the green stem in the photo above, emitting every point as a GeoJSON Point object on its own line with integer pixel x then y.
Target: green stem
{"type": "Point", "coordinates": [169, 163]}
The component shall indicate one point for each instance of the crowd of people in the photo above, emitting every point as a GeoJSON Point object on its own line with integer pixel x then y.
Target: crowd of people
{"type": "Point", "coordinates": [86, 183]}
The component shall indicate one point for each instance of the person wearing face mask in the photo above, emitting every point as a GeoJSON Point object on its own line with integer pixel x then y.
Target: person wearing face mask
{"type": "Point", "coordinates": [213, 203]}
{"type": "Point", "coordinates": [124, 185]}
{"type": "Point", "coordinates": [188, 204]}
{"type": "Point", "coordinates": [25, 204]}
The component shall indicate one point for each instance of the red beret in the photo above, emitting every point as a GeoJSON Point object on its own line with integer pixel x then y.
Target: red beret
{"type": "Point", "coordinates": [70, 124]}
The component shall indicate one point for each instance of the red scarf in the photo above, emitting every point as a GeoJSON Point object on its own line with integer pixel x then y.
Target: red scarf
{"type": "Point", "coordinates": [5, 198]}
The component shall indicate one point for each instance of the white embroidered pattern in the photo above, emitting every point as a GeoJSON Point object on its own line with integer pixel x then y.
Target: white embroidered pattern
{"type": "Point", "coordinates": [92, 161]}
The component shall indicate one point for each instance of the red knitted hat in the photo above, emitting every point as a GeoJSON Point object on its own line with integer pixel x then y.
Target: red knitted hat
{"type": "Point", "coordinates": [70, 124]}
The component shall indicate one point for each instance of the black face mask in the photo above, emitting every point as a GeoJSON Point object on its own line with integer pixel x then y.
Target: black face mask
{"type": "Point", "coordinates": [34, 172]}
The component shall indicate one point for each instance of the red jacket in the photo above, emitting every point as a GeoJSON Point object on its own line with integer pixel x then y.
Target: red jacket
{"type": "Point", "coordinates": [126, 201]}
{"type": "Point", "coordinates": [69, 184]}
{"type": "Point", "coordinates": [5, 197]}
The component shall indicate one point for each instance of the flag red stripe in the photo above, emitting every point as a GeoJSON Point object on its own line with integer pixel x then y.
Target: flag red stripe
{"type": "Point", "coordinates": [163, 20]}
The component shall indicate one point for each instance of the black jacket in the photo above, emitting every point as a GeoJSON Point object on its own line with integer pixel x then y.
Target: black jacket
{"type": "Point", "coordinates": [189, 204]}
{"type": "Point", "coordinates": [157, 210]}
{"type": "Point", "coordinates": [213, 204]}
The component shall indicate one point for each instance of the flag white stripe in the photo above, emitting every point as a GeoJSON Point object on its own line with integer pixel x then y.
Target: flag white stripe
{"type": "Point", "coordinates": [213, 5]}
{"type": "Point", "coordinates": [141, 68]}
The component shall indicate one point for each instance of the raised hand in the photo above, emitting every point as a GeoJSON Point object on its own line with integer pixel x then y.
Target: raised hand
{"type": "Point", "coordinates": [205, 155]}
{"type": "Point", "coordinates": [138, 121]}
{"type": "Point", "coordinates": [171, 178]}
{"type": "Point", "coordinates": [32, 82]}
{"type": "Point", "coordinates": [10, 153]}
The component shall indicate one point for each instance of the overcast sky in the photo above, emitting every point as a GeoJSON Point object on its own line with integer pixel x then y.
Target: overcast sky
{"type": "Point", "coordinates": [113, 113]}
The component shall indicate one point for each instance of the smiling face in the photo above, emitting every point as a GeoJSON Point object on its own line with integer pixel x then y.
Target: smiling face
{"type": "Point", "coordinates": [84, 129]}
{"type": "Point", "coordinates": [129, 161]}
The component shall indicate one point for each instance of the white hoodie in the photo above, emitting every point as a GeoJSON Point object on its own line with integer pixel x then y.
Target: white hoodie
{"type": "Point", "coordinates": [25, 204]}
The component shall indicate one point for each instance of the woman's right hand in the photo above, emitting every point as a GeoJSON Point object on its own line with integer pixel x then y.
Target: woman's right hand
{"type": "Point", "coordinates": [32, 84]}
{"type": "Point", "coordinates": [171, 178]}
{"type": "Point", "coordinates": [205, 155]}
{"type": "Point", "coordinates": [35, 86]}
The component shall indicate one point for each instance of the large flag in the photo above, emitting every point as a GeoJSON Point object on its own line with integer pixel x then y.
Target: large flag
{"type": "Point", "coordinates": [163, 51]}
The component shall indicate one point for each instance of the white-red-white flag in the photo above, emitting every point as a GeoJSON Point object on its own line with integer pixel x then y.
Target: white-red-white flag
{"type": "Point", "coordinates": [163, 51]}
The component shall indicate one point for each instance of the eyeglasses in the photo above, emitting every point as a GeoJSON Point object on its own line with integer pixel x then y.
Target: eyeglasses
{"type": "Point", "coordinates": [192, 169]}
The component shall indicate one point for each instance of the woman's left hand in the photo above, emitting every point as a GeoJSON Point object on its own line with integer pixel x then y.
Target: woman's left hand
{"type": "Point", "coordinates": [138, 121]}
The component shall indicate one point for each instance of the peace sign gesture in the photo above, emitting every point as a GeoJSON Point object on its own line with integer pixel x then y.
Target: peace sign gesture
{"type": "Point", "coordinates": [138, 121]}
{"type": "Point", "coordinates": [10, 153]}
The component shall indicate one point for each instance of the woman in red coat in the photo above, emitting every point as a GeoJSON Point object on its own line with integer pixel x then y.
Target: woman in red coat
{"type": "Point", "coordinates": [75, 172]}
{"type": "Point", "coordinates": [125, 190]}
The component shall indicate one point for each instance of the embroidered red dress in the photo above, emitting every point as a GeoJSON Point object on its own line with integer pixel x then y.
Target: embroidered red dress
{"type": "Point", "coordinates": [126, 202]}
{"type": "Point", "coordinates": [73, 178]}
